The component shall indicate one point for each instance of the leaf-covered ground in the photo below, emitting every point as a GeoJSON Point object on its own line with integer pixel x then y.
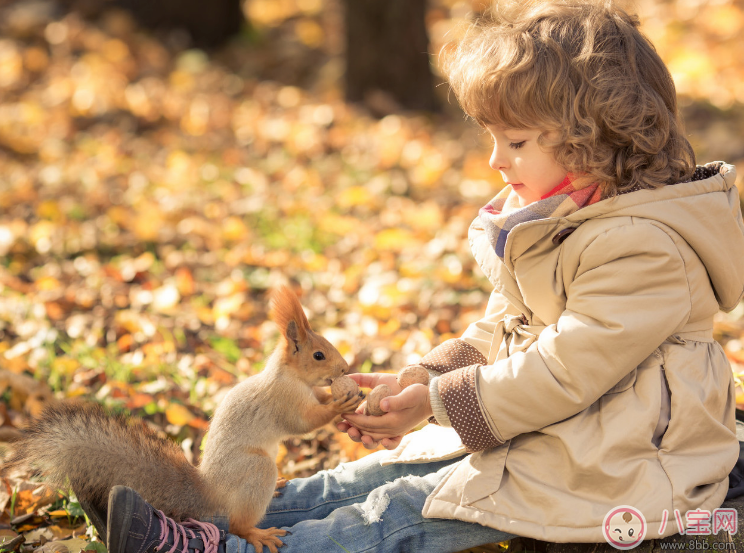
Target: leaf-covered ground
{"type": "Point", "coordinates": [151, 194]}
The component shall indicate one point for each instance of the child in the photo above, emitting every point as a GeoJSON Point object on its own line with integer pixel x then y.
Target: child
{"type": "Point", "coordinates": [593, 381]}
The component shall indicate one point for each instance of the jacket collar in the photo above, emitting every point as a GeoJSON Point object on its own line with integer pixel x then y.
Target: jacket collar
{"type": "Point", "coordinates": [671, 205]}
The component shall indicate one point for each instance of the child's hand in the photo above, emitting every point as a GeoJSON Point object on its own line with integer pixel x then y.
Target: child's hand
{"type": "Point", "coordinates": [356, 435]}
{"type": "Point", "coordinates": [403, 412]}
{"type": "Point", "coordinates": [368, 442]}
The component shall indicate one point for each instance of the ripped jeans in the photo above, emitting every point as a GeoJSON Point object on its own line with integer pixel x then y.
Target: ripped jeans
{"type": "Point", "coordinates": [364, 507]}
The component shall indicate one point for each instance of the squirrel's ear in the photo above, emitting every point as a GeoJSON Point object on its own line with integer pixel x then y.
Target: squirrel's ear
{"type": "Point", "coordinates": [293, 335]}
{"type": "Point", "coordinates": [288, 314]}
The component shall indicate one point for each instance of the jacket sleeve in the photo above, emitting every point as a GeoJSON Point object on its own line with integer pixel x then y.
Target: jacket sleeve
{"type": "Point", "coordinates": [628, 294]}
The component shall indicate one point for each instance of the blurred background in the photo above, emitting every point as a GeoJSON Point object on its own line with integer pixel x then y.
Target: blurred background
{"type": "Point", "coordinates": [163, 164]}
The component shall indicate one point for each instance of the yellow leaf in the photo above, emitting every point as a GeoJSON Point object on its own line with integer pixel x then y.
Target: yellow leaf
{"type": "Point", "coordinates": [119, 215]}
{"type": "Point", "coordinates": [43, 230]}
{"type": "Point", "coordinates": [47, 283]}
{"type": "Point", "coordinates": [391, 326]}
{"type": "Point", "coordinates": [60, 533]}
{"type": "Point", "coordinates": [429, 171]}
{"type": "Point", "coordinates": [234, 229]}
{"type": "Point", "coordinates": [205, 315]}
{"type": "Point", "coordinates": [147, 222]}
{"type": "Point", "coordinates": [178, 414]}
{"type": "Point", "coordinates": [426, 216]}
{"type": "Point", "coordinates": [65, 365]}
{"type": "Point", "coordinates": [338, 224]}
{"type": "Point", "coordinates": [49, 209]}
{"type": "Point", "coordinates": [356, 195]}
{"type": "Point", "coordinates": [224, 307]}
{"type": "Point", "coordinates": [316, 263]}
{"type": "Point", "coordinates": [394, 239]}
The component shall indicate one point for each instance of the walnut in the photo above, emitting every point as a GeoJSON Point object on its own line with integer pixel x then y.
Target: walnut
{"type": "Point", "coordinates": [413, 374]}
{"type": "Point", "coordinates": [374, 398]}
{"type": "Point", "coordinates": [344, 387]}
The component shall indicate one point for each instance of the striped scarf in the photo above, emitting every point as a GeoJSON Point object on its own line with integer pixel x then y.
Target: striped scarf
{"type": "Point", "coordinates": [503, 213]}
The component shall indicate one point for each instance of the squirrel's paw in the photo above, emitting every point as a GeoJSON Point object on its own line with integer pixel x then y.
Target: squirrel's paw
{"type": "Point", "coordinates": [258, 537]}
{"type": "Point", "coordinates": [348, 403]}
{"type": "Point", "coordinates": [280, 483]}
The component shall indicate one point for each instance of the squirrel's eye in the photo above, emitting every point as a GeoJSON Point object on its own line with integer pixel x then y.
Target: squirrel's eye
{"type": "Point", "coordinates": [318, 356]}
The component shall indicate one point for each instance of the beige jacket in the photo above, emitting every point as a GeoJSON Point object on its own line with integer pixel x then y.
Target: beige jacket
{"type": "Point", "coordinates": [598, 371]}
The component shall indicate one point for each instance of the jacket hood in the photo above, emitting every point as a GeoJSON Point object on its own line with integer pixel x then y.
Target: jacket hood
{"type": "Point", "coordinates": [705, 211]}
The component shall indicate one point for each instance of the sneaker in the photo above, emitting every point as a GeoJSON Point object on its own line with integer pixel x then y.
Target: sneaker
{"type": "Point", "coordinates": [136, 527]}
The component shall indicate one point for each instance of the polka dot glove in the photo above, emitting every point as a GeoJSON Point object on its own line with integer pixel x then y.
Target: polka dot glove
{"type": "Point", "coordinates": [457, 390]}
{"type": "Point", "coordinates": [449, 356]}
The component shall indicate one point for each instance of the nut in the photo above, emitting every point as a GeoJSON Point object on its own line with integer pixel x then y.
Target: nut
{"type": "Point", "coordinates": [374, 398]}
{"type": "Point", "coordinates": [413, 374]}
{"type": "Point", "coordinates": [344, 387]}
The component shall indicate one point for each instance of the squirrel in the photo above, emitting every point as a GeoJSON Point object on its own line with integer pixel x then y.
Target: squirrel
{"type": "Point", "coordinates": [237, 475]}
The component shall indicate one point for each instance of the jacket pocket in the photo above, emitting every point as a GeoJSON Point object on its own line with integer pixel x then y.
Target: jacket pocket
{"type": "Point", "coordinates": [665, 410]}
{"type": "Point", "coordinates": [485, 470]}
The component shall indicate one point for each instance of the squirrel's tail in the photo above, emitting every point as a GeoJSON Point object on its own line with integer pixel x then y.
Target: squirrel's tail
{"type": "Point", "coordinates": [97, 451]}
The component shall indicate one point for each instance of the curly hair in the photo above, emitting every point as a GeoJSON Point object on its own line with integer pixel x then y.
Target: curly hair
{"type": "Point", "coordinates": [583, 73]}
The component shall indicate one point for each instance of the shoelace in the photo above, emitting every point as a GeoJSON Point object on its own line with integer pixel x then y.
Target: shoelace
{"type": "Point", "coordinates": [186, 530]}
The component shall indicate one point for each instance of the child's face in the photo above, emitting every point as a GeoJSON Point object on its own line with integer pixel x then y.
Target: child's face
{"type": "Point", "coordinates": [531, 171]}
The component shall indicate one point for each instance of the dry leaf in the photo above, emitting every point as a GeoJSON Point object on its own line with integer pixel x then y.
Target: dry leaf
{"type": "Point", "coordinates": [178, 414]}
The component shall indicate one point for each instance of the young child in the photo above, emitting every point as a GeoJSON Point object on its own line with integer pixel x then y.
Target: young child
{"type": "Point", "coordinates": [593, 380]}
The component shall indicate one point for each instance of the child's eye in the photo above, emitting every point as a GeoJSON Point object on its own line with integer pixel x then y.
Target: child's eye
{"type": "Point", "coordinates": [516, 145]}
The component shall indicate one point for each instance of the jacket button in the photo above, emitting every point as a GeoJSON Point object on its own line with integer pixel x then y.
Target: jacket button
{"type": "Point", "coordinates": [562, 235]}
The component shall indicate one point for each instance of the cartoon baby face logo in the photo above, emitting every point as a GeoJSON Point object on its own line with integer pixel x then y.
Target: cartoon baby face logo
{"type": "Point", "coordinates": [624, 527]}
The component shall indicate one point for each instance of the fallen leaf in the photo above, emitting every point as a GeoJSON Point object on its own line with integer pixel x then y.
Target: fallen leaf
{"type": "Point", "coordinates": [178, 414]}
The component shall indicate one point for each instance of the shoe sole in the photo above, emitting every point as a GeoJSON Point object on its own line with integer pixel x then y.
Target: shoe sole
{"type": "Point", "coordinates": [119, 538]}
{"type": "Point", "coordinates": [96, 517]}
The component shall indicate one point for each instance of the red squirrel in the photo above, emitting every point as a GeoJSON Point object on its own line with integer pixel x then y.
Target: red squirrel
{"type": "Point", "coordinates": [237, 476]}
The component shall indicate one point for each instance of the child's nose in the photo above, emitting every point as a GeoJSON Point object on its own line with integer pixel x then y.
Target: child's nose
{"type": "Point", "coordinates": [497, 161]}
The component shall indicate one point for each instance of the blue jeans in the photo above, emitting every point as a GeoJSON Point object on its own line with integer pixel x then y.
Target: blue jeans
{"type": "Point", "coordinates": [364, 507]}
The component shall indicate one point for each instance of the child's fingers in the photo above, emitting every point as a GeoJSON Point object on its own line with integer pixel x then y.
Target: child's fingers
{"type": "Point", "coordinates": [369, 442]}
{"type": "Point", "coordinates": [366, 380]}
{"type": "Point", "coordinates": [409, 397]}
{"type": "Point", "coordinates": [389, 424]}
{"type": "Point", "coordinates": [391, 443]}
{"type": "Point", "coordinates": [377, 437]}
{"type": "Point", "coordinates": [354, 434]}
{"type": "Point", "coordinates": [371, 380]}
{"type": "Point", "coordinates": [367, 422]}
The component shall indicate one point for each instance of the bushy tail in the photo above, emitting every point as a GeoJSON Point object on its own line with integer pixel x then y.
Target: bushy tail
{"type": "Point", "coordinates": [97, 451]}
